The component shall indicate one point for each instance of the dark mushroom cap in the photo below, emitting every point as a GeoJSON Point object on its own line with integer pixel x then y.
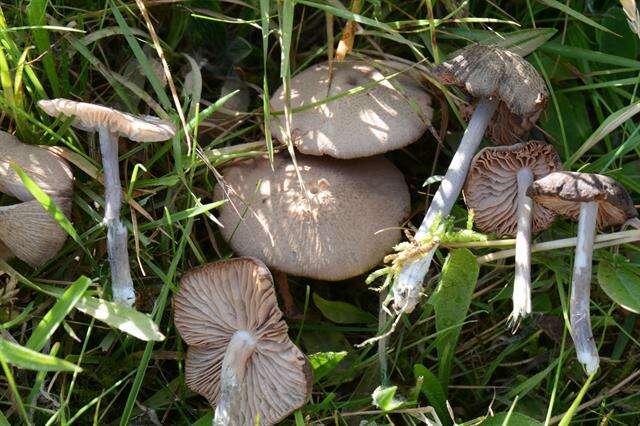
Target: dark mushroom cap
{"type": "Point", "coordinates": [340, 228]}
{"type": "Point", "coordinates": [216, 301]}
{"type": "Point", "coordinates": [487, 72]}
{"type": "Point", "coordinates": [392, 114]}
{"type": "Point", "coordinates": [491, 189]}
{"type": "Point", "coordinates": [563, 192]}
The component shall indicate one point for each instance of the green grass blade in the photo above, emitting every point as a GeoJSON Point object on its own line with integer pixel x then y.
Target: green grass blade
{"type": "Point", "coordinates": [29, 359]}
{"type": "Point", "coordinates": [566, 419]}
{"type": "Point", "coordinates": [11, 381]}
{"type": "Point", "coordinates": [36, 11]}
{"type": "Point", "coordinates": [575, 14]}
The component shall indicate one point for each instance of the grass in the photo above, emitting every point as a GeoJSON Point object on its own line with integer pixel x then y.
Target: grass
{"type": "Point", "coordinates": [104, 52]}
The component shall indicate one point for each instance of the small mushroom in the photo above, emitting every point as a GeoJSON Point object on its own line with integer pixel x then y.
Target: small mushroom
{"type": "Point", "coordinates": [340, 228]}
{"type": "Point", "coordinates": [496, 192]}
{"type": "Point", "coordinates": [392, 114]}
{"type": "Point", "coordinates": [240, 356]}
{"type": "Point", "coordinates": [597, 202]}
{"type": "Point", "coordinates": [30, 233]}
{"type": "Point", "coordinates": [500, 80]}
{"type": "Point", "coordinates": [110, 124]}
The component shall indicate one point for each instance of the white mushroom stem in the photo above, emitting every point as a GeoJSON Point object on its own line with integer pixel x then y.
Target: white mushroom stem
{"type": "Point", "coordinates": [522, 282]}
{"type": "Point", "coordinates": [234, 363]}
{"type": "Point", "coordinates": [406, 290]}
{"type": "Point", "coordinates": [579, 313]}
{"type": "Point", "coordinates": [122, 284]}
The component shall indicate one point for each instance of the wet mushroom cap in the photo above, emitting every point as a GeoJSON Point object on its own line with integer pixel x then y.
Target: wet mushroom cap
{"type": "Point", "coordinates": [218, 300]}
{"type": "Point", "coordinates": [392, 114]}
{"type": "Point", "coordinates": [491, 189]}
{"type": "Point", "coordinates": [50, 172]}
{"type": "Point", "coordinates": [563, 192]}
{"type": "Point", "coordinates": [91, 118]}
{"type": "Point", "coordinates": [488, 72]}
{"type": "Point", "coordinates": [30, 233]}
{"type": "Point", "coordinates": [341, 228]}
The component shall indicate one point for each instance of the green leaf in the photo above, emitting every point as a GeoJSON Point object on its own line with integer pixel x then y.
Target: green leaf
{"type": "Point", "coordinates": [451, 302]}
{"type": "Point", "coordinates": [52, 320]}
{"type": "Point", "coordinates": [574, 13]}
{"type": "Point", "coordinates": [29, 359]}
{"type": "Point", "coordinates": [385, 398]}
{"type": "Point", "coordinates": [624, 45]}
{"type": "Point", "coordinates": [619, 280]}
{"type": "Point", "coordinates": [432, 389]}
{"type": "Point", "coordinates": [522, 42]}
{"type": "Point", "coordinates": [342, 312]}
{"type": "Point", "coordinates": [510, 419]}
{"type": "Point", "coordinates": [323, 363]}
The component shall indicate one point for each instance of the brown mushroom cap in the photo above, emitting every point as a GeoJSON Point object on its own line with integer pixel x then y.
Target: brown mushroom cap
{"type": "Point", "coordinates": [50, 172]}
{"type": "Point", "coordinates": [333, 238]}
{"type": "Point", "coordinates": [91, 118]}
{"type": "Point", "coordinates": [491, 189]}
{"type": "Point", "coordinates": [563, 192]}
{"type": "Point", "coordinates": [485, 72]}
{"type": "Point", "coordinates": [220, 299]}
{"type": "Point", "coordinates": [30, 233]}
{"type": "Point", "coordinates": [392, 114]}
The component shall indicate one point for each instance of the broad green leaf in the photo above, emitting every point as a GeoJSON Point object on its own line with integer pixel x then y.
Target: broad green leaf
{"type": "Point", "coordinates": [451, 301]}
{"type": "Point", "coordinates": [206, 420]}
{"type": "Point", "coordinates": [510, 419]}
{"type": "Point", "coordinates": [626, 44]}
{"type": "Point", "coordinates": [342, 312]}
{"type": "Point", "coordinates": [575, 14]}
{"type": "Point", "coordinates": [620, 281]}
{"type": "Point", "coordinates": [121, 317]}
{"type": "Point", "coordinates": [29, 359]}
{"type": "Point", "coordinates": [323, 363]}
{"type": "Point", "coordinates": [52, 320]}
{"type": "Point", "coordinates": [385, 398]}
{"type": "Point", "coordinates": [432, 389]}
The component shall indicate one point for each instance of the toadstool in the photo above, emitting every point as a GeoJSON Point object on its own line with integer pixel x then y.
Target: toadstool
{"type": "Point", "coordinates": [240, 356]}
{"type": "Point", "coordinates": [110, 124]}
{"type": "Point", "coordinates": [597, 202]}
{"type": "Point", "coordinates": [496, 192]}
{"type": "Point", "coordinates": [390, 115]}
{"type": "Point", "coordinates": [501, 80]}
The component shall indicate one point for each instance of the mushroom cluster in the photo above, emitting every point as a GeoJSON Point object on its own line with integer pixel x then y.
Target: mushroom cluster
{"type": "Point", "coordinates": [27, 230]}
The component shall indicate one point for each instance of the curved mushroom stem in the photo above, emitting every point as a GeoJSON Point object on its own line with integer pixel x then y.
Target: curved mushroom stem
{"type": "Point", "coordinates": [234, 363]}
{"type": "Point", "coordinates": [522, 282]}
{"type": "Point", "coordinates": [579, 314]}
{"type": "Point", "coordinates": [122, 284]}
{"type": "Point", "coordinates": [406, 290]}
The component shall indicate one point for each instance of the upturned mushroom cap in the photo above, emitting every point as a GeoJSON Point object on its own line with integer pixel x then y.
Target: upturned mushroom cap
{"type": "Point", "coordinates": [331, 232]}
{"type": "Point", "coordinates": [563, 192]}
{"type": "Point", "coordinates": [91, 118]}
{"type": "Point", "coordinates": [392, 114]}
{"type": "Point", "coordinates": [50, 172]}
{"type": "Point", "coordinates": [491, 189]}
{"type": "Point", "coordinates": [218, 300]}
{"type": "Point", "coordinates": [30, 233]}
{"type": "Point", "coordinates": [487, 72]}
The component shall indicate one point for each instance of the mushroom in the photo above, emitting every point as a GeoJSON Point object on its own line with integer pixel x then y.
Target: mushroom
{"type": "Point", "coordinates": [390, 115]}
{"type": "Point", "coordinates": [500, 80]}
{"type": "Point", "coordinates": [30, 233]}
{"type": "Point", "coordinates": [496, 192]}
{"type": "Point", "coordinates": [240, 356]}
{"type": "Point", "coordinates": [597, 202]}
{"type": "Point", "coordinates": [339, 228]}
{"type": "Point", "coordinates": [110, 124]}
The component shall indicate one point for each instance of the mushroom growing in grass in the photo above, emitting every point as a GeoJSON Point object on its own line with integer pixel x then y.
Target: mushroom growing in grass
{"type": "Point", "coordinates": [597, 202]}
{"type": "Point", "coordinates": [388, 114]}
{"type": "Point", "coordinates": [240, 356]}
{"type": "Point", "coordinates": [496, 191]}
{"type": "Point", "coordinates": [500, 80]}
{"type": "Point", "coordinates": [110, 125]}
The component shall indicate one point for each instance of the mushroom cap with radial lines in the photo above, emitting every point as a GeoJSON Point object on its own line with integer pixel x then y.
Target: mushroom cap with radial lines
{"type": "Point", "coordinates": [563, 192]}
{"type": "Point", "coordinates": [30, 233]}
{"type": "Point", "coordinates": [215, 302]}
{"type": "Point", "coordinates": [491, 189]}
{"type": "Point", "coordinates": [50, 172]}
{"type": "Point", "coordinates": [91, 118]}
{"type": "Point", "coordinates": [390, 115]}
{"type": "Point", "coordinates": [492, 72]}
{"type": "Point", "coordinates": [342, 227]}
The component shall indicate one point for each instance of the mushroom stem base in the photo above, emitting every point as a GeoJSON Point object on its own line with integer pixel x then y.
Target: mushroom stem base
{"type": "Point", "coordinates": [579, 313]}
{"type": "Point", "coordinates": [406, 290]}
{"type": "Point", "coordinates": [122, 284]}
